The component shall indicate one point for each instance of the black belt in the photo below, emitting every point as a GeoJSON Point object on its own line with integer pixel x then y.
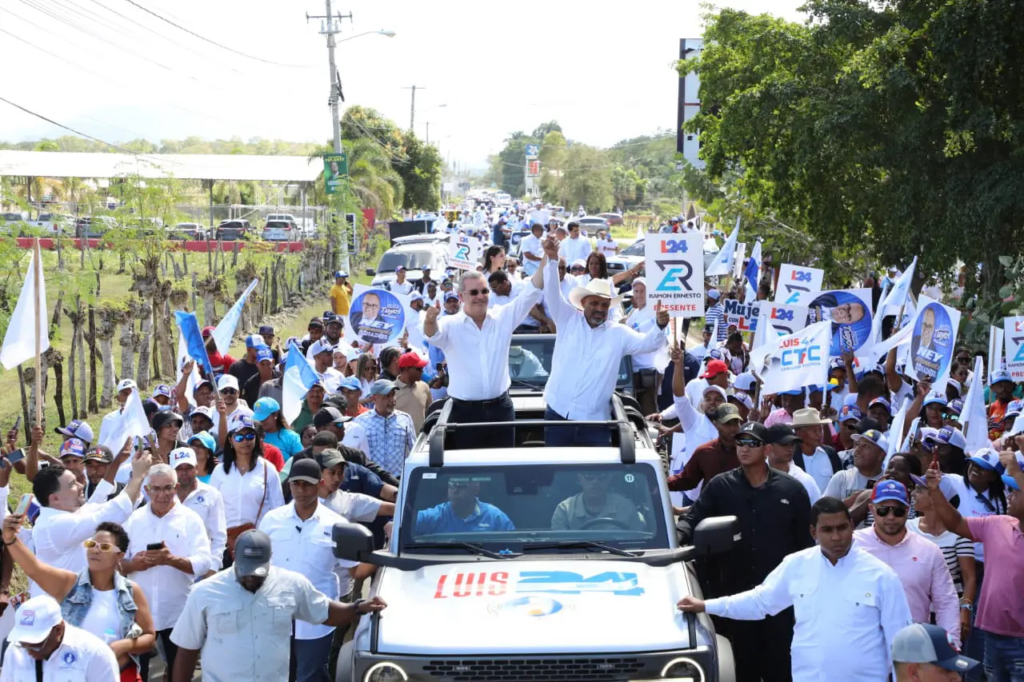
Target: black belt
{"type": "Point", "coordinates": [482, 403]}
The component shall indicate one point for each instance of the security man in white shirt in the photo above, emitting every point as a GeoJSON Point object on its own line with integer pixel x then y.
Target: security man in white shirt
{"type": "Point", "coordinates": [234, 618]}
{"type": "Point", "coordinates": [475, 343]}
{"type": "Point", "coordinates": [45, 647]}
{"type": "Point", "coordinates": [204, 500]}
{"type": "Point", "coordinates": [848, 605]}
{"type": "Point", "coordinates": [582, 390]}
{"type": "Point", "coordinates": [300, 533]}
{"type": "Point", "coordinates": [168, 550]}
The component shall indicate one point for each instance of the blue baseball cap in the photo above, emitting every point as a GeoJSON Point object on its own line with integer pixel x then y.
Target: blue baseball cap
{"type": "Point", "coordinates": [416, 296]}
{"type": "Point", "coordinates": [883, 402]}
{"type": "Point", "coordinates": [850, 412]}
{"type": "Point", "coordinates": [956, 406]}
{"type": "Point", "coordinates": [886, 491]}
{"type": "Point", "coordinates": [1014, 408]}
{"type": "Point", "coordinates": [340, 273]}
{"type": "Point", "coordinates": [240, 422]}
{"type": "Point", "coordinates": [929, 644]}
{"type": "Point", "coordinates": [987, 459]}
{"type": "Point", "coordinates": [205, 439]}
{"type": "Point", "coordinates": [935, 398]}
{"type": "Point", "coordinates": [950, 436]}
{"type": "Point", "coordinates": [795, 391]}
{"type": "Point", "coordinates": [72, 447]}
{"type": "Point", "coordinates": [382, 387]}
{"type": "Point", "coordinates": [255, 341]}
{"type": "Point", "coordinates": [264, 353]}
{"type": "Point", "coordinates": [1010, 481]}
{"type": "Point", "coordinates": [999, 375]}
{"type": "Point", "coordinates": [349, 384]}
{"type": "Point", "coordinates": [162, 389]}
{"type": "Point", "coordinates": [263, 408]}
{"type": "Point", "coordinates": [451, 295]}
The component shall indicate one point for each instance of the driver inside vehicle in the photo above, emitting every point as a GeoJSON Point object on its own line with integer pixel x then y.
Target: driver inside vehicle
{"type": "Point", "coordinates": [462, 513]}
{"type": "Point", "coordinates": [524, 365]}
{"type": "Point", "coordinates": [596, 507]}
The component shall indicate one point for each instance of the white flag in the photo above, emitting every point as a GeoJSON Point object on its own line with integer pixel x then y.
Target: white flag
{"type": "Point", "coordinates": [225, 329]}
{"type": "Point", "coordinates": [20, 341]}
{"type": "Point", "coordinates": [973, 415]}
{"type": "Point", "coordinates": [131, 423]}
{"type": "Point", "coordinates": [722, 265]}
{"type": "Point", "coordinates": [896, 431]}
{"type": "Point", "coordinates": [898, 294]}
{"type": "Point", "coordinates": [765, 330]}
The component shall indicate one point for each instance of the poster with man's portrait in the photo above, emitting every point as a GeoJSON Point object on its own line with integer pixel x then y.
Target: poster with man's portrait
{"type": "Point", "coordinates": [849, 311]}
{"type": "Point", "coordinates": [933, 340]}
{"type": "Point", "coordinates": [377, 316]}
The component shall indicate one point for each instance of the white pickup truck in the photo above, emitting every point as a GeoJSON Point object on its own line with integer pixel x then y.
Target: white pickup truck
{"type": "Point", "coordinates": [495, 571]}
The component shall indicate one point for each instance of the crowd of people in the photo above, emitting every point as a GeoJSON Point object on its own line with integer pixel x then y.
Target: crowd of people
{"type": "Point", "coordinates": [210, 538]}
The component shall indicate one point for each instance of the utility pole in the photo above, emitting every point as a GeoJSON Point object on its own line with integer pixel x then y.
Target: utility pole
{"type": "Point", "coordinates": [412, 110]}
{"type": "Point", "coordinates": [330, 27]}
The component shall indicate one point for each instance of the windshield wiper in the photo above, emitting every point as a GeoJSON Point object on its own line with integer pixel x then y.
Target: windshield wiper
{"type": "Point", "coordinates": [581, 544]}
{"type": "Point", "coordinates": [468, 546]}
{"type": "Point", "coordinates": [524, 384]}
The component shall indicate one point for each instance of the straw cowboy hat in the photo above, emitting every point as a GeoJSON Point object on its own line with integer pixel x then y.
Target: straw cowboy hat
{"type": "Point", "coordinates": [595, 287]}
{"type": "Point", "coordinates": [808, 417]}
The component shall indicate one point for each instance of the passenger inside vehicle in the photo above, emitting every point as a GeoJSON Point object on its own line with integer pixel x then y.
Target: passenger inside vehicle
{"type": "Point", "coordinates": [462, 513]}
{"type": "Point", "coordinates": [596, 507]}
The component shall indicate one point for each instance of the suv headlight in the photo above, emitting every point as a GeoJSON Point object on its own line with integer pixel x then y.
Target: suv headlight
{"type": "Point", "coordinates": [683, 669]}
{"type": "Point", "coordinates": [385, 672]}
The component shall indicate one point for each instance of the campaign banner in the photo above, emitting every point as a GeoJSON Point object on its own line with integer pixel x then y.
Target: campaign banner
{"type": "Point", "coordinates": [675, 272]}
{"type": "Point", "coordinates": [464, 252]}
{"type": "Point", "coordinates": [933, 340]}
{"type": "Point", "coordinates": [376, 316]}
{"type": "Point", "coordinates": [849, 312]}
{"type": "Point", "coordinates": [1013, 337]}
{"type": "Point", "coordinates": [798, 284]}
{"type": "Point", "coordinates": [793, 361]}
{"type": "Point", "coordinates": [785, 318]}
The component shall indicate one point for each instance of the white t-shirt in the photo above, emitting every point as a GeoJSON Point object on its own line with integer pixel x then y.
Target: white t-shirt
{"type": "Point", "coordinates": [608, 247]}
{"type": "Point", "coordinates": [405, 288]}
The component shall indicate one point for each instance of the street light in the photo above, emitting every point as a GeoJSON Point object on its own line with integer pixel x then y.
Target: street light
{"type": "Point", "coordinates": [382, 32]}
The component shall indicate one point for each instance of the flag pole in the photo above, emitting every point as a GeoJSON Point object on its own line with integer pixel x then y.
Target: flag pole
{"type": "Point", "coordinates": [37, 275]}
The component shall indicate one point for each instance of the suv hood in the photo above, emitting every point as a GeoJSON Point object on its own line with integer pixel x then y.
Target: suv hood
{"type": "Point", "coordinates": [538, 607]}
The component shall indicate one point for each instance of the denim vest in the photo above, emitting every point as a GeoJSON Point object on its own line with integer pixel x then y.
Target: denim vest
{"type": "Point", "coordinates": [78, 601]}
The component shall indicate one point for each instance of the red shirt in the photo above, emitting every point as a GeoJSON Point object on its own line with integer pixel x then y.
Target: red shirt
{"type": "Point", "coordinates": [361, 409]}
{"type": "Point", "coordinates": [221, 363]}
{"type": "Point", "coordinates": [272, 454]}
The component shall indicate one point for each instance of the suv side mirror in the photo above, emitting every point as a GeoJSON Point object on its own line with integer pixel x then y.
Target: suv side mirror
{"type": "Point", "coordinates": [352, 541]}
{"type": "Point", "coordinates": [370, 272]}
{"type": "Point", "coordinates": [711, 536]}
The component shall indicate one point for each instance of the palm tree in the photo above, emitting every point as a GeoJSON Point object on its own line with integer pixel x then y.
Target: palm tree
{"type": "Point", "coordinates": [372, 180]}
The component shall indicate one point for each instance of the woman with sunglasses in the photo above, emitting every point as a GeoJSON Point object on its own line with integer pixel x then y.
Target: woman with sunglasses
{"type": "Point", "coordinates": [205, 447]}
{"type": "Point", "coordinates": [99, 599]}
{"type": "Point", "coordinates": [366, 372]}
{"type": "Point", "coordinates": [248, 482]}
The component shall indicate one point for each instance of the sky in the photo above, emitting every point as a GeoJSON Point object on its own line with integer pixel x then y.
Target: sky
{"type": "Point", "coordinates": [110, 69]}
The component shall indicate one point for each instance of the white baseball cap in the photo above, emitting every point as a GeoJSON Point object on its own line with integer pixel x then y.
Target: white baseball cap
{"type": "Point", "coordinates": [181, 456]}
{"type": "Point", "coordinates": [126, 383]}
{"type": "Point", "coordinates": [227, 381]}
{"type": "Point", "coordinates": [34, 620]}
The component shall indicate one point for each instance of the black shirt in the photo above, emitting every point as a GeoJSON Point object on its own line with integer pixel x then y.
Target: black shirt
{"type": "Point", "coordinates": [251, 388]}
{"type": "Point", "coordinates": [243, 370]}
{"type": "Point", "coordinates": [90, 489]}
{"type": "Point", "coordinates": [775, 521]}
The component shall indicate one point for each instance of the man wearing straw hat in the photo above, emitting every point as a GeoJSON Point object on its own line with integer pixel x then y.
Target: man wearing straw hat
{"type": "Point", "coordinates": [581, 390]}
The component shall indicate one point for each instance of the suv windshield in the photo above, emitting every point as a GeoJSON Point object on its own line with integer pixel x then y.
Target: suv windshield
{"type": "Point", "coordinates": [636, 249]}
{"type": "Point", "coordinates": [513, 508]}
{"type": "Point", "coordinates": [529, 362]}
{"type": "Point", "coordinates": [411, 260]}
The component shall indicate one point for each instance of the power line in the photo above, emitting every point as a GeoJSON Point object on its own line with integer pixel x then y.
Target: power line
{"type": "Point", "coordinates": [72, 130]}
{"type": "Point", "coordinates": [223, 47]}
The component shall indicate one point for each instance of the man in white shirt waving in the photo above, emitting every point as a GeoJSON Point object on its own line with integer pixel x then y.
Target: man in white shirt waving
{"type": "Point", "coordinates": [848, 605]}
{"type": "Point", "coordinates": [475, 343]}
{"type": "Point", "coordinates": [581, 390]}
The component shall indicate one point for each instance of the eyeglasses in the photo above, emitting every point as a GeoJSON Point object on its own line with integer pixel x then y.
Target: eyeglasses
{"type": "Point", "coordinates": [748, 443]}
{"type": "Point", "coordinates": [239, 437]}
{"type": "Point", "coordinates": [478, 292]}
{"type": "Point", "coordinates": [339, 425]}
{"type": "Point", "coordinates": [228, 391]}
{"type": "Point", "coordinates": [460, 485]}
{"type": "Point", "coordinates": [898, 512]}
{"type": "Point", "coordinates": [103, 546]}
{"type": "Point", "coordinates": [162, 490]}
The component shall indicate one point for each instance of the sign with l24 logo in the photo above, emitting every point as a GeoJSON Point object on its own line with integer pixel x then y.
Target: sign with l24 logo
{"type": "Point", "coordinates": [674, 265]}
{"type": "Point", "coordinates": [798, 284]}
{"type": "Point", "coordinates": [464, 252]}
{"type": "Point", "coordinates": [1013, 335]}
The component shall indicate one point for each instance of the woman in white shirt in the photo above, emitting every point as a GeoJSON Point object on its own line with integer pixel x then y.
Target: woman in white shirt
{"type": "Point", "coordinates": [248, 483]}
{"type": "Point", "coordinates": [99, 599]}
{"type": "Point", "coordinates": [597, 268]}
{"type": "Point", "coordinates": [366, 371]}
{"type": "Point", "coordinates": [494, 260]}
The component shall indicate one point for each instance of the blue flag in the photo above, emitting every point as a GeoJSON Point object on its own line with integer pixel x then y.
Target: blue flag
{"type": "Point", "coordinates": [189, 326]}
{"type": "Point", "coordinates": [299, 376]}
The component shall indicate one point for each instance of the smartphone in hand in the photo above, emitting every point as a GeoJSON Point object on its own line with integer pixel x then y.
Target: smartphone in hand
{"type": "Point", "coordinates": [23, 504]}
{"type": "Point", "coordinates": [153, 546]}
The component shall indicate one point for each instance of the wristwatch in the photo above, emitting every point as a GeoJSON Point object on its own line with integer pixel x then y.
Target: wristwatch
{"type": "Point", "coordinates": [357, 603]}
{"type": "Point", "coordinates": [969, 607]}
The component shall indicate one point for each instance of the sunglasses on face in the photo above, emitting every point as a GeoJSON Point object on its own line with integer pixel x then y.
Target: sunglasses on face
{"type": "Point", "coordinates": [478, 292]}
{"type": "Point", "coordinates": [103, 546]}
{"type": "Point", "coordinates": [898, 512]}
{"type": "Point", "coordinates": [228, 391]}
{"type": "Point", "coordinates": [748, 443]}
{"type": "Point", "coordinates": [339, 425]}
{"type": "Point", "coordinates": [239, 437]}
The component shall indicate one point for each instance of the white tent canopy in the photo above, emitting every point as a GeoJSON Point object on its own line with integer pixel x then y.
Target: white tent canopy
{"type": "Point", "coordinates": [238, 167]}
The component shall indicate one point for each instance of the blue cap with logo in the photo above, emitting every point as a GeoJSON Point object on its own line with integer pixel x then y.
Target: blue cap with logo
{"type": "Point", "coordinates": [350, 384]}
{"type": "Point", "coordinates": [263, 408]}
{"type": "Point", "coordinates": [264, 353]}
{"type": "Point", "coordinates": [255, 341]}
{"type": "Point", "coordinates": [987, 459]}
{"type": "Point", "coordinates": [73, 447]}
{"type": "Point", "coordinates": [1013, 409]}
{"type": "Point", "coordinates": [998, 376]}
{"type": "Point", "coordinates": [890, 491]}
{"type": "Point", "coordinates": [883, 402]}
{"type": "Point", "coordinates": [949, 436]}
{"type": "Point", "coordinates": [935, 398]}
{"type": "Point", "coordinates": [205, 439]}
{"type": "Point", "coordinates": [955, 407]}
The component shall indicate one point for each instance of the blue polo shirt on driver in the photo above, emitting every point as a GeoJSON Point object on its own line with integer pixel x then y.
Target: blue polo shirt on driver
{"type": "Point", "coordinates": [441, 519]}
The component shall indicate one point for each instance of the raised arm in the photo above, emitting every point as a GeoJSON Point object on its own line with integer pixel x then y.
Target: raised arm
{"type": "Point", "coordinates": [561, 311]}
{"type": "Point", "coordinates": [947, 513]}
{"type": "Point", "coordinates": [181, 390]}
{"type": "Point", "coordinates": [56, 582]}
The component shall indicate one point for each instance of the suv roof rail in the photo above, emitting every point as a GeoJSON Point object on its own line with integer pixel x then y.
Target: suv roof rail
{"type": "Point", "coordinates": [619, 424]}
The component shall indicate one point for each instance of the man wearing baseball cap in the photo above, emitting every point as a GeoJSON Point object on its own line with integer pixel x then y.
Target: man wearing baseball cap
{"type": "Point", "coordinates": [713, 457]}
{"type": "Point", "coordinates": [202, 498]}
{"type": "Point", "coordinates": [265, 372]}
{"type": "Point", "coordinates": [922, 653]}
{"type": "Point", "coordinates": [1001, 385]}
{"type": "Point", "coordinates": [72, 456]}
{"type": "Point", "coordinates": [761, 648]}
{"type": "Point", "coordinates": [46, 647]}
{"type": "Point", "coordinates": [715, 314]}
{"type": "Point", "coordinates": [869, 452]}
{"type": "Point", "coordinates": [97, 462]}
{"type": "Point", "coordinates": [340, 293]}
{"type": "Point", "coordinates": [258, 647]}
{"type": "Point", "coordinates": [390, 433]}
{"type": "Point", "coordinates": [413, 393]}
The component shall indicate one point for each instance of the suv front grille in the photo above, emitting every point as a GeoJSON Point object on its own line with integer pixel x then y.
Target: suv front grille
{"type": "Point", "coordinates": [515, 669]}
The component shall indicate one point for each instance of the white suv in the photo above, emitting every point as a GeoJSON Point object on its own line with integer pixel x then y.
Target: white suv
{"type": "Point", "coordinates": [521, 584]}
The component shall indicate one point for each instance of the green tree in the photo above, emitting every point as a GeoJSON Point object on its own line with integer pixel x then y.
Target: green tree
{"type": "Point", "coordinates": [372, 180]}
{"type": "Point", "coordinates": [513, 163]}
{"type": "Point", "coordinates": [420, 169]}
{"type": "Point", "coordinates": [553, 153]}
{"type": "Point", "coordinates": [541, 131]}
{"type": "Point", "coordinates": [586, 179]}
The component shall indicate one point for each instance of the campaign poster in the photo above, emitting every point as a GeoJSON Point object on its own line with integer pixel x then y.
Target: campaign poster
{"type": "Point", "coordinates": [786, 319]}
{"type": "Point", "coordinates": [794, 361]}
{"type": "Point", "coordinates": [675, 272]}
{"type": "Point", "coordinates": [376, 316]}
{"type": "Point", "coordinates": [1013, 337]}
{"type": "Point", "coordinates": [849, 311]}
{"type": "Point", "coordinates": [933, 341]}
{"type": "Point", "coordinates": [464, 252]}
{"type": "Point", "coordinates": [798, 284]}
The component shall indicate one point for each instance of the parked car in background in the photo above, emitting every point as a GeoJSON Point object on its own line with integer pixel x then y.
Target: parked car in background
{"type": "Point", "coordinates": [412, 253]}
{"type": "Point", "coordinates": [281, 231]}
{"type": "Point", "coordinates": [13, 222]}
{"type": "Point", "coordinates": [187, 232]}
{"type": "Point", "coordinates": [92, 227]}
{"type": "Point", "coordinates": [591, 224]}
{"type": "Point", "coordinates": [55, 223]}
{"type": "Point", "coordinates": [233, 230]}
{"type": "Point", "coordinates": [634, 253]}
{"type": "Point", "coordinates": [612, 218]}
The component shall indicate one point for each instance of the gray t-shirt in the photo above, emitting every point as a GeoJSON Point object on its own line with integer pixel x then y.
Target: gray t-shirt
{"type": "Point", "coordinates": [845, 483]}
